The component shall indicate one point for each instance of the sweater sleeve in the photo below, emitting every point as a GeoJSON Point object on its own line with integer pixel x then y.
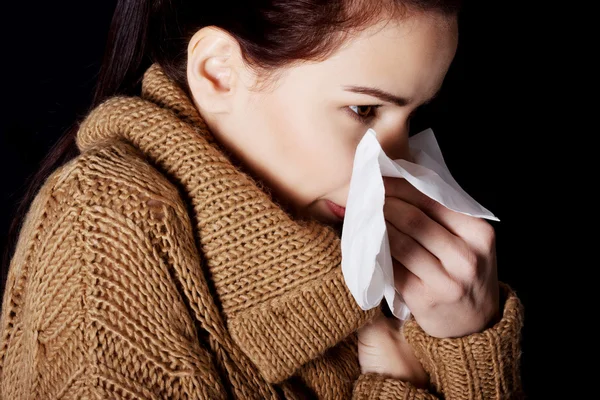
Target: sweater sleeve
{"type": "Point", "coordinates": [91, 309]}
{"type": "Point", "coordinates": [484, 365]}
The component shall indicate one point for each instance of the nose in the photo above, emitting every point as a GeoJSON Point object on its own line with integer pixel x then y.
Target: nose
{"type": "Point", "coordinates": [395, 144]}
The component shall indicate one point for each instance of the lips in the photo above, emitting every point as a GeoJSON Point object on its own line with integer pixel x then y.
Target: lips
{"type": "Point", "coordinates": [336, 209]}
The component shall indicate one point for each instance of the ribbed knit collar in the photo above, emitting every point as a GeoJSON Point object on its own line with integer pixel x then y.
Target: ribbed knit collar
{"type": "Point", "coordinates": [278, 280]}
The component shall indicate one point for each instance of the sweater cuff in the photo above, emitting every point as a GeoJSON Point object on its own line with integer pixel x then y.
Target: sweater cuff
{"type": "Point", "coordinates": [485, 364]}
{"type": "Point", "coordinates": [373, 386]}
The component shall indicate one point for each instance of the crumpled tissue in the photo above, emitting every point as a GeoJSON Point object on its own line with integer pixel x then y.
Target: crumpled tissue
{"type": "Point", "coordinates": [366, 258]}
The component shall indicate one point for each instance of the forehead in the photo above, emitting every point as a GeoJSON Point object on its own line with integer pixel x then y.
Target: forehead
{"type": "Point", "coordinates": [411, 55]}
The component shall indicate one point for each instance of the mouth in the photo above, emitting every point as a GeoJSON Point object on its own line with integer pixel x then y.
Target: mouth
{"type": "Point", "coordinates": [336, 209]}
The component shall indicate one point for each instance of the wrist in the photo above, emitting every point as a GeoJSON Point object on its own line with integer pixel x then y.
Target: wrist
{"type": "Point", "coordinates": [397, 361]}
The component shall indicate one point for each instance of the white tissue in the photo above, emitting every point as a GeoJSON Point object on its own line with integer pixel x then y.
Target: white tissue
{"type": "Point", "coordinates": [366, 258]}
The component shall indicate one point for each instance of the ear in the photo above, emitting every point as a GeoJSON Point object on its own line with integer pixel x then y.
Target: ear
{"type": "Point", "coordinates": [212, 69]}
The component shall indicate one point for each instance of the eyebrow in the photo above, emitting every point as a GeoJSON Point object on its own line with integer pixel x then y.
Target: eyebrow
{"type": "Point", "coordinates": [383, 95]}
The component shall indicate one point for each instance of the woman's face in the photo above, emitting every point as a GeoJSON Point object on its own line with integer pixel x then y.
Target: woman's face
{"type": "Point", "coordinates": [300, 135]}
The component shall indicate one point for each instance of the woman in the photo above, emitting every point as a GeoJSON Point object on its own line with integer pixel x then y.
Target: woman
{"type": "Point", "coordinates": [191, 248]}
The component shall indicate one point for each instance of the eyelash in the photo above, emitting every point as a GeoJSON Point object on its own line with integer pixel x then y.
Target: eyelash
{"type": "Point", "coordinates": [368, 119]}
{"type": "Point", "coordinates": [360, 118]}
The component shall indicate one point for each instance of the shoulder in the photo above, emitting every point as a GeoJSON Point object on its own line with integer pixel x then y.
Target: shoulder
{"type": "Point", "coordinates": [113, 174]}
{"type": "Point", "coordinates": [97, 266]}
{"type": "Point", "coordinates": [107, 200]}
{"type": "Point", "coordinates": [117, 202]}
{"type": "Point", "coordinates": [111, 182]}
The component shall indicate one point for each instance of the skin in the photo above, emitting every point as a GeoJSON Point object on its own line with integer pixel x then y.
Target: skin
{"type": "Point", "coordinates": [299, 136]}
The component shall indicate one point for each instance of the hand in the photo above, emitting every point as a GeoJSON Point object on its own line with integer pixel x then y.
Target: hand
{"type": "Point", "coordinates": [383, 349]}
{"type": "Point", "coordinates": [444, 267]}
{"type": "Point", "coordinates": [444, 262]}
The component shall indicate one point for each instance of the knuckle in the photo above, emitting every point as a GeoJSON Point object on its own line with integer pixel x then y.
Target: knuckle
{"type": "Point", "coordinates": [414, 219]}
{"type": "Point", "coordinates": [486, 234]}
{"type": "Point", "coordinates": [431, 302]}
{"type": "Point", "coordinates": [455, 291]}
{"type": "Point", "coordinates": [469, 263]}
{"type": "Point", "coordinates": [470, 272]}
{"type": "Point", "coordinates": [427, 203]}
{"type": "Point", "coordinates": [428, 298]}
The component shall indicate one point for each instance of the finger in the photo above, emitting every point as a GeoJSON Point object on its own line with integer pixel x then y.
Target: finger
{"type": "Point", "coordinates": [457, 223]}
{"type": "Point", "coordinates": [451, 250]}
{"type": "Point", "coordinates": [408, 284]}
{"type": "Point", "coordinates": [417, 259]}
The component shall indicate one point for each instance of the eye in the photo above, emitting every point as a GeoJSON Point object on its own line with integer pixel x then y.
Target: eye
{"type": "Point", "coordinates": [364, 113]}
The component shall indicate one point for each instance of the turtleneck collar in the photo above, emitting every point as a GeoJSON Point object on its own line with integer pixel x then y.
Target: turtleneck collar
{"type": "Point", "coordinates": [278, 280]}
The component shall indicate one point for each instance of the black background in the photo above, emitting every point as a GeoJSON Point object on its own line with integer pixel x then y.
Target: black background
{"type": "Point", "coordinates": [482, 120]}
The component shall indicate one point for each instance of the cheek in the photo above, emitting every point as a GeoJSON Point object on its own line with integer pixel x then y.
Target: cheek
{"type": "Point", "coordinates": [315, 153]}
{"type": "Point", "coordinates": [324, 135]}
{"type": "Point", "coordinates": [329, 152]}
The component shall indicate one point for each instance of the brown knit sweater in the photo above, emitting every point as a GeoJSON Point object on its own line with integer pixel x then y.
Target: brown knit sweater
{"type": "Point", "coordinates": [151, 267]}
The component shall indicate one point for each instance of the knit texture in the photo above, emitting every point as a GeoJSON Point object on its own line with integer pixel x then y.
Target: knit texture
{"type": "Point", "coordinates": [153, 266]}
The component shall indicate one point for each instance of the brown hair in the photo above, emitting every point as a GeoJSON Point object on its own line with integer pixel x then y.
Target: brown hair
{"type": "Point", "coordinates": [272, 34]}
